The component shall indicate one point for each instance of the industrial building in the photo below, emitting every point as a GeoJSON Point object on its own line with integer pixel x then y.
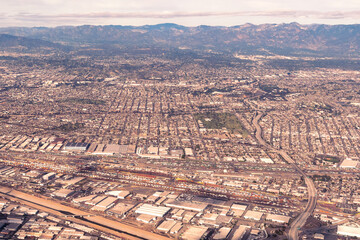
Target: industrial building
{"type": "Point", "coordinates": [152, 210]}
{"type": "Point", "coordinates": [121, 209]}
{"type": "Point", "coordinates": [222, 233]}
{"type": "Point", "coordinates": [349, 231]}
{"type": "Point", "coordinates": [166, 225]}
{"type": "Point", "coordinates": [277, 218]}
{"type": "Point", "coordinates": [253, 215]}
{"type": "Point", "coordinates": [194, 233]}
{"type": "Point", "coordinates": [349, 163]}
{"type": "Point", "coordinates": [145, 218]}
{"type": "Point", "coordinates": [238, 206]}
{"type": "Point", "coordinates": [198, 207]}
{"type": "Point", "coordinates": [63, 193]}
{"type": "Point", "coordinates": [240, 232]}
{"type": "Point", "coordinates": [105, 204]}
{"type": "Point", "coordinates": [73, 146]}
{"type": "Point", "coordinates": [119, 194]}
{"type": "Point", "coordinates": [49, 176]}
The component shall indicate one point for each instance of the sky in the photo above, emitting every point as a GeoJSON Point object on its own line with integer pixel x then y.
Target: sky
{"type": "Point", "coordinates": [50, 13]}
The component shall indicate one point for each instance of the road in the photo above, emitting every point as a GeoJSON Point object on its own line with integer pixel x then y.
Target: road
{"type": "Point", "coordinates": [312, 195]}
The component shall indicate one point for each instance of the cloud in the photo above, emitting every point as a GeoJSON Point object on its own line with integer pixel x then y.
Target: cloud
{"type": "Point", "coordinates": [170, 15]}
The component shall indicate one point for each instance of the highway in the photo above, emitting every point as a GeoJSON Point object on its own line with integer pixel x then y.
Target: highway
{"type": "Point", "coordinates": [312, 195]}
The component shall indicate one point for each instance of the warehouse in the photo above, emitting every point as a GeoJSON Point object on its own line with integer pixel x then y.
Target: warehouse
{"type": "Point", "coordinates": [84, 199]}
{"type": "Point", "coordinates": [121, 209]}
{"type": "Point", "coordinates": [253, 215]}
{"type": "Point", "coordinates": [277, 218]}
{"type": "Point", "coordinates": [119, 194]}
{"type": "Point", "coordinates": [63, 193]}
{"type": "Point", "coordinates": [111, 149]}
{"type": "Point", "coordinates": [96, 200]}
{"type": "Point", "coordinates": [198, 207]}
{"type": "Point", "coordinates": [145, 218]}
{"type": "Point", "coordinates": [194, 233]}
{"type": "Point", "coordinates": [349, 163]}
{"type": "Point", "coordinates": [239, 232]}
{"type": "Point", "coordinates": [166, 225]}
{"type": "Point", "coordinates": [175, 229]}
{"type": "Point", "coordinates": [105, 204]}
{"type": "Point", "coordinates": [73, 146]}
{"type": "Point", "coordinates": [149, 209]}
{"type": "Point", "coordinates": [222, 233]}
{"type": "Point", "coordinates": [49, 176]}
{"type": "Point", "coordinates": [238, 206]}
{"type": "Point", "coordinates": [348, 231]}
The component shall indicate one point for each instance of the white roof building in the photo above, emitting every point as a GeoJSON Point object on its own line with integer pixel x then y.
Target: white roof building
{"type": "Point", "coordinates": [198, 207]}
{"type": "Point", "coordinates": [166, 225]}
{"type": "Point", "coordinates": [277, 218]}
{"type": "Point", "coordinates": [348, 163]}
{"type": "Point", "coordinates": [238, 206]}
{"type": "Point", "coordinates": [253, 215]}
{"type": "Point", "coordinates": [348, 231]}
{"type": "Point", "coordinates": [152, 210]}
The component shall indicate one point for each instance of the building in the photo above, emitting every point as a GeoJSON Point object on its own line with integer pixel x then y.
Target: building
{"type": "Point", "coordinates": [166, 225]}
{"type": "Point", "coordinates": [349, 163]}
{"type": "Point", "coordinates": [119, 194]}
{"type": "Point", "coordinates": [63, 193]}
{"type": "Point", "coordinates": [253, 215]}
{"type": "Point", "coordinates": [198, 207]}
{"type": "Point", "coordinates": [239, 232]}
{"type": "Point", "coordinates": [277, 218]}
{"type": "Point", "coordinates": [148, 209]}
{"type": "Point", "coordinates": [106, 203]}
{"type": "Point", "coordinates": [238, 206]}
{"type": "Point", "coordinates": [222, 233]}
{"type": "Point", "coordinates": [194, 233]}
{"type": "Point", "coordinates": [49, 176]}
{"type": "Point", "coordinates": [349, 231]}
{"type": "Point", "coordinates": [145, 218]}
{"type": "Point", "coordinates": [73, 146]}
{"type": "Point", "coordinates": [121, 209]}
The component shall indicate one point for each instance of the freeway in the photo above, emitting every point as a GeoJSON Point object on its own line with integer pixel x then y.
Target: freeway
{"type": "Point", "coordinates": [312, 195]}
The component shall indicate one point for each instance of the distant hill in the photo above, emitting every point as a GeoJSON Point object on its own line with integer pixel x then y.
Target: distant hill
{"type": "Point", "coordinates": [10, 41]}
{"type": "Point", "coordinates": [290, 39]}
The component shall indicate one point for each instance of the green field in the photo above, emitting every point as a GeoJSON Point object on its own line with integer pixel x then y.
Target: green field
{"type": "Point", "coordinates": [213, 120]}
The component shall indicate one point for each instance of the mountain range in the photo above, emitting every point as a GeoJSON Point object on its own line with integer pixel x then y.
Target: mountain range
{"type": "Point", "coordinates": [291, 39]}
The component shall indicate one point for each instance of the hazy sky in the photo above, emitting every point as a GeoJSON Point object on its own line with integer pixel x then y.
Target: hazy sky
{"type": "Point", "coordinates": [185, 12]}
